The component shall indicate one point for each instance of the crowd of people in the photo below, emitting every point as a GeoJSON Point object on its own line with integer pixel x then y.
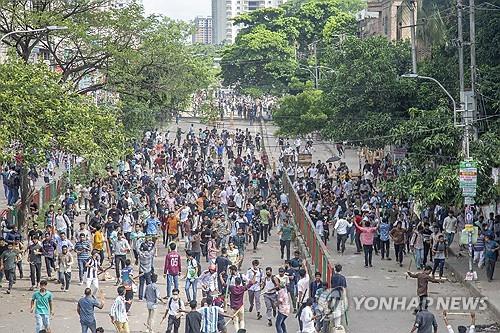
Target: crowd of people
{"type": "Point", "coordinates": [204, 196]}
{"type": "Point", "coordinates": [246, 107]}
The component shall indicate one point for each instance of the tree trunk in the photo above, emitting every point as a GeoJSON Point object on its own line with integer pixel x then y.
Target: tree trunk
{"type": "Point", "coordinates": [25, 198]}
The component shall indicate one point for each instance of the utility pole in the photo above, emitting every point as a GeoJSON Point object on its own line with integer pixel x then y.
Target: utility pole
{"type": "Point", "coordinates": [316, 67]}
{"type": "Point", "coordinates": [411, 6]}
{"type": "Point", "coordinates": [460, 51]}
{"type": "Point", "coordinates": [472, 19]}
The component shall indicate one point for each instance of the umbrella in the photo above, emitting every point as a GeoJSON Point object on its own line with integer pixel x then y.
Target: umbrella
{"type": "Point", "coordinates": [333, 159]}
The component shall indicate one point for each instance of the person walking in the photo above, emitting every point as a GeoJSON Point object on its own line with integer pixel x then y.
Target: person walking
{"type": "Point", "coordinates": [35, 262]}
{"type": "Point", "coordinates": [172, 269]}
{"type": "Point", "coordinates": [82, 249]}
{"type": "Point", "coordinates": [285, 232]}
{"type": "Point", "coordinates": [152, 296]}
{"type": "Point", "coordinates": [121, 248]}
{"type": "Point", "coordinates": [175, 306]}
{"type": "Point", "coordinates": [255, 273]}
{"type": "Point", "coordinates": [41, 305]}
{"type": "Point", "coordinates": [417, 246]}
{"type": "Point", "coordinates": [283, 308]}
{"type": "Point", "coordinates": [367, 235]}
{"type": "Point", "coordinates": [92, 269]}
{"type": "Point", "coordinates": [64, 263]}
{"type": "Point", "coordinates": [384, 229]}
{"type": "Point", "coordinates": [118, 312]}
{"type": "Point", "coordinates": [85, 310]}
{"type": "Point", "coordinates": [491, 249]}
{"type": "Point", "coordinates": [270, 294]}
{"type": "Point", "coordinates": [398, 238]}
{"type": "Point", "coordinates": [8, 264]}
{"type": "Point", "coordinates": [440, 251]}
{"type": "Point", "coordinates": [341, 227]}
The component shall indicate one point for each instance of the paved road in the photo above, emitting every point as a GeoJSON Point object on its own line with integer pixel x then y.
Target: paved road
{"type": "Point", "coordinates": [15, 316]}
{"type": "Point", "coordinates": [385, 279]}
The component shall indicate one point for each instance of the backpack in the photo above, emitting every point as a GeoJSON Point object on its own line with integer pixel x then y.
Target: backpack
{"type": "Point", "coordinates": [170, 302]}
{"type": "Point", "coordinates": [198, 267]}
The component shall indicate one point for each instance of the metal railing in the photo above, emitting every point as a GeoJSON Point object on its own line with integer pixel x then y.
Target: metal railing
{"type": "Point", "coordinates": [317, 251]}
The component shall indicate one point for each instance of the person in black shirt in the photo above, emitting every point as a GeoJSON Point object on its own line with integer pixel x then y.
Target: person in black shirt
{"type": "Point", "coordinates": [95, 221]}
{"type": "Point", "coordinates": [338, 280]}
{"type": "Point", "coordinates": [115, 213]}
{"type": "Point", "coordinates": [35, 232]}
{"type": "Point", "coordinates": [193, 319]}
{"type": "Point", "coordinates": [222, 262]}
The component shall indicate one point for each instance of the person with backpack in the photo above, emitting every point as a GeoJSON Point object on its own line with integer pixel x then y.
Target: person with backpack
{"type": "Point", "coordinates": [255, 273]}
{"type": "Point", "coordinates": [192, 274]}
{"type": "Point", "coordinates": [269, 293]}
{"type": "Point", "coordinates": [174, 305]}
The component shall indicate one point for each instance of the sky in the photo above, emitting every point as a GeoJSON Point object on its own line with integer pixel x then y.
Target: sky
{"type": "Point", "coordinates": [179, 9]}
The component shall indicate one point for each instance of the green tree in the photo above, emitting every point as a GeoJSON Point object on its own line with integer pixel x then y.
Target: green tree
{"type": "Point", "coordinates": [39, 114]}
{"type": "Point", "coordinates": [260, 59]}
{"type": "Point", "coordinates": [300, 114]}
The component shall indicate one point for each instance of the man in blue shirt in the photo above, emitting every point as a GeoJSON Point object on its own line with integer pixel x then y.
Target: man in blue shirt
{"type": "Point", "coordinates": [85, 310]}
{"type": "Point", "coordinates": [491, 248]}
{"type": "Point", "coordinates": [152, 224]}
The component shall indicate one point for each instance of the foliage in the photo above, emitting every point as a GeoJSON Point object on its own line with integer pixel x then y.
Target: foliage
{"type": "Point", "coordinates": [161, 72]}
{"type": "Point", "coordinates": [274, 42]}
{"type": "Point", "coordinates": [39, 115]}
{"type": "Point", "coordinates": [260, 59]}
{"type": "Point", "coordinates": [299, 114]}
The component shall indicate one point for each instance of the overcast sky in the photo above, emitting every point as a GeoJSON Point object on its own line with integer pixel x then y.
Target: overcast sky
{"type": "Point", "coordinates": [179, 9]}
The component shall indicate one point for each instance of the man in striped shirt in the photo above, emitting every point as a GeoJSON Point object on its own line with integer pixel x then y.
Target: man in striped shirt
{"type": "Point", "coordinates": [210, 316]}
{"type": "Point", "coordinates": [82, 249]}
{"type": "Point", "coordinates": [118, 312]}
{"type": "Point", "coordinates": [91, 271]}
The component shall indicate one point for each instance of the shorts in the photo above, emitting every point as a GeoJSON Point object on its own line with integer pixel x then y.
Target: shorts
{"type": "Point", "coordinates": [42, 321]}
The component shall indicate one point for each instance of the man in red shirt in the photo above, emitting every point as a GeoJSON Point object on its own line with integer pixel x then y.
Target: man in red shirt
{"type": "Point", "coordinates": [236, 301]}
{"type": "Point", "coordinates": [172, 269]}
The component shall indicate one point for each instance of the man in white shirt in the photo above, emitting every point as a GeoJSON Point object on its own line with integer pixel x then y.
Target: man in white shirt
{"type": "Point", "coordinates": [118, 312]}
{"type": "Point", "coordinates": [255, 273]}
{"type": "Point", "coordinates": [461, 329]}
{"type": "Point", "coordinates": [341, 226]}
{"type": "Point", "coordinates": [450, 227]}
{"type": "Point", "coordinates": [307, 318]}
{"type": "Point", "coordinates": [174, 307]}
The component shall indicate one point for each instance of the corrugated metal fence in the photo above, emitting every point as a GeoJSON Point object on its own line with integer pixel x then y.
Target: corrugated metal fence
{"type": "Point", "coordinates": [42, 196]}
{"type": "Point", "coordinates": [318, 253]}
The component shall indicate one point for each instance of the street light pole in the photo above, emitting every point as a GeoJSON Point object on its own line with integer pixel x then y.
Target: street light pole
{"type": "Point", "coordinates": [33, 31]}
{"type": "Point", "coordinates": [471, 275]}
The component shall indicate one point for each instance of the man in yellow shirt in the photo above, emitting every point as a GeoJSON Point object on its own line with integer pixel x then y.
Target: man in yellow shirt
{"type": "Point", "coordinates": [98, 243]}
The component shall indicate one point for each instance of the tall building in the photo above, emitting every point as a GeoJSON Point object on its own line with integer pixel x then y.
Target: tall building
{"type": "Point", "coordinates": [203, 30]}
{"type": "Point", "coordinates": [224, 11]}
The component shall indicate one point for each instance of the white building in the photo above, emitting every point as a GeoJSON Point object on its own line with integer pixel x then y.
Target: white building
{"type": "Point", "coordinates": [224, 11]}
{"type": "Point", "coordinates": [203, 30]}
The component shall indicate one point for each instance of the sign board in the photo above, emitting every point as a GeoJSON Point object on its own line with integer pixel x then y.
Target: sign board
{"type": "Point", "coordinates": [469, 200]}
{"type": "Point", "coordinates": [399, 153]}
{"type": "Point", "coordinates": [305, 159]}
{"type": "Point", "coordinates": [468, 178]}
